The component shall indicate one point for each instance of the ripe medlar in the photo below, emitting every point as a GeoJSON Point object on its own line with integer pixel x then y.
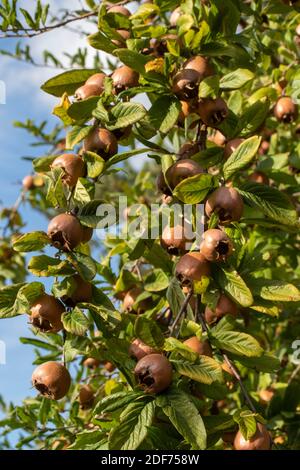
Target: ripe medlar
{"type": "Point", "coordinates": [227, 203]}
{"type": "Point", "coordinates": [86, 397]}
{"type": "Point", "coordinates": [231, 146]}
{"type": "Point", "coordinates": [28, 183]}
{"type": "Point", "coordinates": [259, 177]}
{"type": "Point", "coordinates": [73, 167]}
{"type": "Point", "coordinates": [201, 65]}
{"type": "Point", "coordinates": [186, 110]}
{"type": "Point", "coordinates": [265, 396]}
{"type": "Point", "coordinates": [102, 142]}
{"type": "Point", "coordinates": [181, 170]}
{"type": "Point", "coordinates": [124, 77]}
{"type": "Point", "coordinates": [285, 110]}
{"type": "Point", "coordinates": [65, 232]}
{"type": "Point", "coordinates": [260, 441]}
{"type": "Point", "coordinates": [224, 306]}
{"type": "Point", "coordinates": [97, 79]}
{"type": "Point", "coordinates": [91, 363]}
{"type": "Point", "coordinates": [138, 349]}
{"type": "Point", "coordinates": [192, 267]}
{"type": "Point", "coordinates": [212, 112]}
{"type": "Point", "coordinates": [200, 347]}
{"type": "Point", "coordinates": [109, 366]}
{"type": "Point", "coordinates": [217, 138]}
{"type": "Point", "coordinates": [153, 373]}
{"type": "Point", "coordinates": [86, 91]}
{"type": "Point", "coordinates": [216, 245]}
{"type": "Point", "coordinates": [162, 186]}
{"type": "Point", "coordinates": [176, 239]}
{"type": "Point", "coordinates": [185, 84]}
{"type": "Point", "coordinates": [119, 9]}
{"type": "Point", "coordinates": [188, 149]}
{"type": "Point", "coordinates": [130, 300]}
{"type": "Point", "coordinates": [82, 292]}
{"type": "Point", "coordinates": [46, 314]}
{"type": "Point", "coordinates": [124, 35]}
{"type": "Point", "coordinates": [52, 380]}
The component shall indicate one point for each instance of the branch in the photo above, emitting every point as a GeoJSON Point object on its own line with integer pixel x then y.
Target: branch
{"type": "Point", "coordinates": [30, 33]}
{"type": "Point", "coordinates": [294, 374]}
{"type": "Point", "coordinates": [181, 312]}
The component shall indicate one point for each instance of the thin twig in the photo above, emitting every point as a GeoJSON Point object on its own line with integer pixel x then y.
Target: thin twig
{"type": "Point", "coordinates": [294, 374]}
{"type": "Point", "coordinates": [181, 312]}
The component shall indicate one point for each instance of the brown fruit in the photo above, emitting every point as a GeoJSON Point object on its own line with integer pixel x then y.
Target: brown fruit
{"type": "Point", "coordinates": [260, 441]}
{"type": "Point", "coordinates": [82, 292]}
{"type": "Point", "coordinates": [46, 314]}
{"type": "Point", "coordinates": [217, 138]}
{"type": "Point", "coordinates": [224, 306]}
{"type": "Point", "coordinates": [181, 170]}
{"type": "Point", "coordinates": [86, 91]}
{"type": "Point", "coordinates": [259, 177]}
{"type": "Point", "coordinates": [226, 368]}
{"type": "Point", "coordinates": [231, 146]}
{"type": "Point", "coordinates": [201, 65]}
{"type": "Point", "coordinates": [87, 233]}
{"type": "Point", "coordinates": [130, 300]}
{"type": "Point", "coordinates": [65, 232]}
{"type": "Point", "coordinates": [200, 347]}
{"type": "Point", "coordinates": [28, 183]}
{"type": "Point", "coordinates": [124, 35]}
{"type": "Point", "coordinates": [298, 30]}
{"type": "Point", "coordinates": [91, 363]}
{"type": "Point", "coordinates": [119, 9]}
{"type": "Point", "coordinates": [227, 203]}
{"type": "Point", "coordinates": [109, 366]}
{"type": "Point", "coordinates": [186, 110]}
{"type": "Point", "coordinates": [228, 437]}
{"type": "Point", "coordinates": [73, 167]}
{"type": "Point", "coordinates": [212, 111]}
{"type": "Point", "coordinates": [216, 245]}
{"type": "Point", "coordinates": [97, 79]}
{"type": "Point", "coordinates": [285, 110]}
{"type": "Point", "coordinates": [266, 395]}
{"type": "Point", "coordinates": [52, 380]}
{"type": "Point", "coordinates": [188, 150]}
{"type": "Point", "coordinates": [122, 134]}
{"type": "Point", "coordinates": [177, 239]}
{"type": "Point", "coordinates": [86, 397]}
{"type": "Point", "coordinates": [138, 349]}
{"type": "Point", "coordinates": [185, 84]}
{"type": "Point", "coordinates": [264, 147]}
{"type": "Point", "coordinates": [159, 46]}
{"type": "Point", "coordinates": [102, 142]}
{"type": "Point", "coordinates": [124, 77]}
{"type": "Point", "coordinates": [153, 373]}
{"type": "Point", "coordinates": [161, 185]}
{"type": "Point", "coordinates": [192, 267]}
{"type": "Point", "coordinates": [175, 15]}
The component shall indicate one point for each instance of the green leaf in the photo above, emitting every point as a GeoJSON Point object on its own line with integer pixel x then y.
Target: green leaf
{"type": "Point", "coordinates": [139, 431]}
{"type": "Point", "coordinates": [95, 164]}
{"type": "Point", "coordinates": [76, 135]}
{"type": "Point", "coordinates": [67, 82]}
{"type": "Point", "coordinates": [175, 297]}
{"type": "Point", "coordinates": [236, 79]}
{"type": "Point", "coordinates": [279, 291]}
{"type": "Point", "coordinates": [33, 241]}
{"type": "Point", "coordinates": [209, 87]}
{"type": "Point", "coordinates": [87, 440]}
{"type": "Point", "coordinates": [101, 42]}
{"type": "Point", "coordinates": [115, 401]}
{"type": "Point", "coordinates": [83, 110]}
{"type": "Point", "coordinates": [149, 332]}
{"type": "Point", "coordinates": [39, 344]}
{"type": "Point", "coordinates": [242, 156]}
{"type": "Point", "coordinates": [156, 281]}
{"type": "Point", "coordinates": [237, 343]}
{"type": "Point", "coordinates": [81, 193]}
{"type": "Point", "coordinates": [17, 298]}
{"type": "Point", "coordinates": [234, 286]}
{"type": "Point", "coordinates": [120, 157]}
{"type": "Point", "coordinates": [126, 114]}
{"type": "Point", "coordinates": [253, 118]}
{"type": "Point", "coordinates": [206, 370]}
{"type": "Point", "coordinates": [133, 59]}
{"type": "Point", "coordinates": [8, 296]}
{"type": "Point", "coordinates": [265, 363]}
{"type": "Point", "coordinates": [46, 266]}
{"type": "Point", "coordinates": [42, 164]}
{"type": "Point", "coordinates": [174, 345]}
{"type": "Point", "coordinates": [164, 113]}
{"type": "Point", "coordinates": [75, 322]}
{"type": "Point", "coordinates": [84, 264]}
{"type": "Point", "coordinates": [271, 202]}
{"type": "Point", "coordinates": [184, 416]}
{"type": "Point", "coordinates": [194, 189]}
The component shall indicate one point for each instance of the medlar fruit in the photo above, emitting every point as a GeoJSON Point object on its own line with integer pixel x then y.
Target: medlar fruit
{"type": "Point", "coordinates": [212, 112]}
{"type": "Point", "coordinates": [82, 292]}
{"type": "Point", "coordinates": [216, 245]}
{"type": "Point", "coordinates": [201, 65]}
{"type": "Point", "coordinates": [153, 373]}
{"type": "Point", "coordinates": [231, 146]}
{"type": "Point", "coordinates": [28, 183]}
{"type": "Point", "coordinates": [175, 15]}
{"type": "Point", "coordinates": [130, 300]}
{"type": "Point", "coordinates": [266, 395]}
{"type": "Point", "coordinates": [185, 84]}
{"type": "Point", "coordinates": [91, 363]}
{"type": "Point", "coordinates": [162, 186]}
{"type": "Point", "coordinates": [124, 34]}
{"type": "Point", "coordinates": [52, 380]}
{"type": "Point", "coordinates": [176, 239]}
{"type": "Point", "coordinates": [227, 203]}
{"type": "Point", "coordinates": [119, 9]}
{"type": "Point", "coordinates": [200, 347]}
{"type": "Point", "coordinates": [260, 441]}
{"type": "Point", "coordinates": [138, 349]}
{"type": "Point", "coordinates": [109, 366]}
{"type": "Point", "coordinates": [86, 91]}
{"type": "Point", "coordinates": [73, 167]}
{"type": "Point", "coordinates": [188, 149]}
{"type": "Point", "coordinates": [65, 232]}
{"type": "Point", "coordinates": [192, 267]}
{"type": "Point", "coordinates": [181, 170]}
{"type": "Point", "coordinates": [86, 397]}
{"type": "Point", "coordinates": [217, 138]}
{"type": "Point", "coordinates": [285, 110]}
{"type": "Point", "coordinates": [97, 79]}
{"type": "Point", "coordinates": [46, 314]}
{"type": "Point", "coordinates": [224, 306]}
{"type": "Point", "coordinates": [102, 142]}
{"type": "Point", "coordinates": [124, 77]}
{"type": "Point", "coordinates": [259, 177]}
{"type": "Point", "coordinates": [186, 110]}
